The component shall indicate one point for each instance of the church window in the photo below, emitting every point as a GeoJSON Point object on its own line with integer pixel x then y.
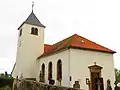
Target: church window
{"type": "Point", "coordinates": [34, 31]}
{"type": "Point", "coordinates": [50, 71]}
{"type": "Point", "coordinates": [20, 33]}
{"type": "Point", "coordinates": [43, 71]}
{"type": "Point", "coordinates": [59, 70]}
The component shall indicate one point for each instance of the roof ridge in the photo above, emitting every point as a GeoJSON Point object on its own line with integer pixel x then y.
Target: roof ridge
{"type": "Point", "coordinates": [73, 37]}
{"type": "Point", "coordinates": [63, 40]}
{"type": "Point", "coordinates": [63, 44]}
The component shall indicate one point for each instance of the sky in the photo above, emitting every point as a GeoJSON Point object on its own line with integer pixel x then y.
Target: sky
{"type": "Point", "coordinates": [96, 20]}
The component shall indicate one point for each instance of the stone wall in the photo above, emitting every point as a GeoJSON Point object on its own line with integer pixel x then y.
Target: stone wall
{"type": "Point", "coordinates": [33, 85]}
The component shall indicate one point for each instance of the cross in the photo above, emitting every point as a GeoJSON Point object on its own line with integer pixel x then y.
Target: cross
{"type": "Point", "coordinates": [32, 5]}
{"type": "Point", "coordinates": [95, 63]}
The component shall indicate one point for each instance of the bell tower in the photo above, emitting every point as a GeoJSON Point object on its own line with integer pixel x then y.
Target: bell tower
{"type": "Point", "coordinates": [30, 46]}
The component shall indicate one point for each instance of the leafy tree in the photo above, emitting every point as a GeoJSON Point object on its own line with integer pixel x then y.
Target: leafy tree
{"type": "Point", "coordinates": [5, 80]}
{"type": "Point", "coordinates": [117, 75]}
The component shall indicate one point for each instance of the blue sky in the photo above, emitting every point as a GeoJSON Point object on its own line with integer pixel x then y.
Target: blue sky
{"type": "Point", "coordinates": [97, 20]}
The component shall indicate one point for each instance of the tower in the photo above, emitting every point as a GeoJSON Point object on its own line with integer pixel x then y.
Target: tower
{"type": "Point", "coordinates": [30, 46]}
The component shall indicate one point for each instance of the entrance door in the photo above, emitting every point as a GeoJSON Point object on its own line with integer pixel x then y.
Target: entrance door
{"type": "Point", "coordinates": [96, 79]}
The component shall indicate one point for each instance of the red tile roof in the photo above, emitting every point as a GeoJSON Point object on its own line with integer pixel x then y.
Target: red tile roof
{"type": "Point", "coordinates": [74, 41]}
{"type": "Point", "coordinates": [46, 48]}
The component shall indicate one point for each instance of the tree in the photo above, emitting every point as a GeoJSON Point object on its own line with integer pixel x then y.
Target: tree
{"type": "Point", "coordinates": [5, 80]}
{"type": "Point", "coordinates": [117, 75]}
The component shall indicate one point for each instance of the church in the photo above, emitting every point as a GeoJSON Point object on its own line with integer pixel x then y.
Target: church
{"type": "Point", "coordinates": [73, 59]}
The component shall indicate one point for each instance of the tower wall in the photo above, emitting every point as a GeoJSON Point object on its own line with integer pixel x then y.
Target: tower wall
{"type": "Point", "coordinates": [29, 48]}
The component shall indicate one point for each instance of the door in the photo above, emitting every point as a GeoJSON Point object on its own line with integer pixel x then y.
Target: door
{"type": "Point", "coordinates": [94, 80]}
{"type": "Point", "coordinates": [97, 81]}
{"type": "Point", "coordinates": [101, 84]}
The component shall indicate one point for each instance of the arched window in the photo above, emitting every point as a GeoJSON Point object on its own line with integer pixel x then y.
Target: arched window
{"type": "Point", "coordinates": [34, 31]}
{"type": "Point", "coordinates": [59, 70]}
{"type": "Point", "coordinates": [50, 71]}
{"type": "Point", "coordinates": [43, 71]}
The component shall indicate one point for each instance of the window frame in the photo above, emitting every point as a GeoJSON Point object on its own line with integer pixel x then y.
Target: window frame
{"type": "Point", "coordinates": [34, 31]}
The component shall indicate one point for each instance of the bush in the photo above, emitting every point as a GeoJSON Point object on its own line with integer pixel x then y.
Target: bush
{"type": "Point", "coordinates": [5, 80]}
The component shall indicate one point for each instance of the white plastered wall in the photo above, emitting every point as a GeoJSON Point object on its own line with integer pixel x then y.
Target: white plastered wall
{"type": "Point", "coordinates": [29, 48]}
{"type": "Point", "coordinates": [81, 59]}
{"type": "Point", "coordinates": [64, 56]}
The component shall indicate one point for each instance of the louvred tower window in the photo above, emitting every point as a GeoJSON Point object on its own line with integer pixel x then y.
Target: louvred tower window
{"type": "Point", "coordinates": [34, 31]}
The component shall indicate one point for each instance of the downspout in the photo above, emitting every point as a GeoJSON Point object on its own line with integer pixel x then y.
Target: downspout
{"type": "Point", "coordinates": [69, 64]}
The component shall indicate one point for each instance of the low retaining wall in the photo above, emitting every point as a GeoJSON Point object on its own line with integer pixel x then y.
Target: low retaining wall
{"type": "Point", "coordinates": [33, 85]}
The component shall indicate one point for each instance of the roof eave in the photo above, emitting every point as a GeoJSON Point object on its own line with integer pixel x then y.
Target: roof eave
{"type": "Point", "coordinates": [31, 24]}
{"type": "Point", "coordinates": [75, 47]}
{"type": "Point", "coordinates": [47, 54]}
{"type": "Point", "coordinates": [112, 52]}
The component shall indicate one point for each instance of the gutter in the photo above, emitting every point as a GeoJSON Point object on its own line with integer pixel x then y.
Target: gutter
{"type": "Point", "coordinates": [69, 65]}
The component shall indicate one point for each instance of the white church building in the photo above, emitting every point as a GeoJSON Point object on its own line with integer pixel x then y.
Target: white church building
{"type": "Point", "coordinates": [72, 59]}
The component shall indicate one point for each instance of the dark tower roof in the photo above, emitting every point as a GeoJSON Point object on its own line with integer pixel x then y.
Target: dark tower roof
{"type": "Point", "coordinates": [33, 20]}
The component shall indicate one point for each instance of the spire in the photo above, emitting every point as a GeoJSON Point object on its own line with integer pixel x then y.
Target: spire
{"type": "Point", "coordinates": [32, 5]}
{"type": "Point", "coordinates": [33, 20]}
